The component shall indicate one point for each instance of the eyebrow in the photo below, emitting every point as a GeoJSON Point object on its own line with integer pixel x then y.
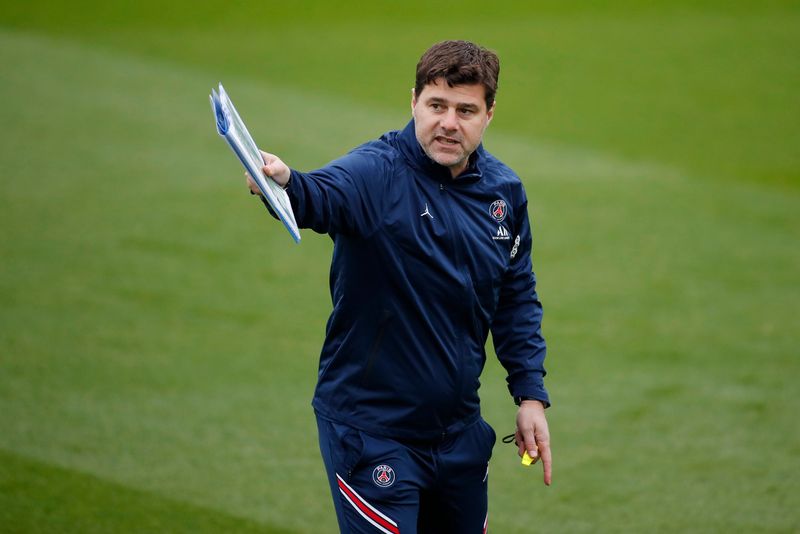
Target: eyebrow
{"type": "Point", "coordinates": [462, 105]}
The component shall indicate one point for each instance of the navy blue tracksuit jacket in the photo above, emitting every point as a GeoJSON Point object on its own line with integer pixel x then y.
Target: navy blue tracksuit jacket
{"type": "Point", "coordinates": [424, 266]}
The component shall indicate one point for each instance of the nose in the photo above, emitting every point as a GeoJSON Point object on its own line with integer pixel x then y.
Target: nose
{"type": "Point", "coordinates": [449, 120]}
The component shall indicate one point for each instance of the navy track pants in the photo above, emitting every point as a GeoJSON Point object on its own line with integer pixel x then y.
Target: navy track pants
{"type": "Point", "coordinates": [384, 485]}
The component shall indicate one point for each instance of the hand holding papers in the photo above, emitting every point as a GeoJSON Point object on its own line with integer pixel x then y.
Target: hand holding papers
{"type": "Point", "coordinates": [231, 127]}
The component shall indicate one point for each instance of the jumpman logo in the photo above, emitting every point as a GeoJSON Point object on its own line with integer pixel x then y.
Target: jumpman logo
{"type": "Point", "coordinates": [426, 212]}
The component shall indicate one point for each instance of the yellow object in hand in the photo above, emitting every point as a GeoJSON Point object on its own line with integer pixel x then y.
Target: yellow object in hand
{"type": "Point", "coordinates": [527, 460]}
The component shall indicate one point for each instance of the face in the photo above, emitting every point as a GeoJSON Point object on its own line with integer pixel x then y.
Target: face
{"type": "Point", "coordinates": [450, 121]}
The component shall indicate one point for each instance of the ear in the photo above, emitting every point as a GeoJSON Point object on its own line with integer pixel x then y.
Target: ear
{"type": "Point", "coordinates": [413, 99]}
{"type": "Point", "coordinates": [490, 113]}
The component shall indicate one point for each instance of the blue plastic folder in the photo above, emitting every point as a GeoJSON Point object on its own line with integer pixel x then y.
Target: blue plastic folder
{"type": "Point", "coordinates": [231, 127]}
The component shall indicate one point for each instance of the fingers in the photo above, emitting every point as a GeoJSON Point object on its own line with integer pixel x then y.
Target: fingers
{"type": "Point", "coordinates": [251, 184]}
{"type": "Point", "coordinates": [542, 438]}
{"type": "Point", "coordinates": [533, 436]}
{"type": "Point", "coordinates": [547, 461]}
{"type": "Point", "coordinates": [275, 168]}
{"type": "Point", "coordinates": [529, 444]}
{"type": "Point", "coordinates": [269, 159]}
{"type": "Point", "coordinates": [520, 443]}
{"type": "Point", "coordinates": [539, 448]}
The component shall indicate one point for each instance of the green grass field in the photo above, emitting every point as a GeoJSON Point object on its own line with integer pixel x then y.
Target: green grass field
{"type": "Point", "coordinates": [159, 332]}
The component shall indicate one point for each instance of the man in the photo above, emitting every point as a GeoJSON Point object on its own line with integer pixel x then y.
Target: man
{"type": "Point", "coordinates": [431, 251]}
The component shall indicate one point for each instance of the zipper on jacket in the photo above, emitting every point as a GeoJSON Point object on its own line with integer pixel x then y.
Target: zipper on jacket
{"type": "Point", "coordinates": [457, 237]}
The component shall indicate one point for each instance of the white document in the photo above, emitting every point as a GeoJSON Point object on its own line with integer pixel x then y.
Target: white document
{"type": "Point", "coordinates": [231, 127]}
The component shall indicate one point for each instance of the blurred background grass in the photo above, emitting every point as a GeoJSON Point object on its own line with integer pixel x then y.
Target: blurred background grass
{"type": "Point", "coordinates": [159, 333]}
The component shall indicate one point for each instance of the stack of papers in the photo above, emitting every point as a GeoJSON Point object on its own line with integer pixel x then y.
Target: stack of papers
{"type": "Point", "coordinates": [231, 127]}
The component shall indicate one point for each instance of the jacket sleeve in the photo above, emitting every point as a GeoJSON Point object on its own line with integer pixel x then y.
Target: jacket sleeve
{"type": "Point", "coordinates": [343, 197]}
{"type": "Point", "coordinates": [517, 324]}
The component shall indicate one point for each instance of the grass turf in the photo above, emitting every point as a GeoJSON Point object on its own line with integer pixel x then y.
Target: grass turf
{"type": "Point", "coordinates": [137, 284]}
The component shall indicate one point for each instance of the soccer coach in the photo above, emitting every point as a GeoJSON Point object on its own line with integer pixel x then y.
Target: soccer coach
{"type": "Point", "coordinates": [432, 247]}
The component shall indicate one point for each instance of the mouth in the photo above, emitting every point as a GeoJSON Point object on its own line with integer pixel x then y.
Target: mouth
{"type": "Point", "coordinates": [446, 141]}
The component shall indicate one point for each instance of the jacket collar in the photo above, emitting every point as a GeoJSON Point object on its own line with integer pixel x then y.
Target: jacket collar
{"type": "Point", "coordinates": [412, 150]}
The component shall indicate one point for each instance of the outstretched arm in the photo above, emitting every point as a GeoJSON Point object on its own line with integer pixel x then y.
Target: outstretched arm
{"type": "Point", "coordinates": [343, 197]}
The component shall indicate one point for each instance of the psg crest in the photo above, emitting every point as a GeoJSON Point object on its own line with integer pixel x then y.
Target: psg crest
{"type": "Point", "coordinates": [383, 476]}
{"type": "Point", "coordinates": [498, 210]}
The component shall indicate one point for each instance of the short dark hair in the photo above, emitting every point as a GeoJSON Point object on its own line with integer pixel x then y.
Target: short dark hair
{"type": "Point", "coordinates": [459, 63]}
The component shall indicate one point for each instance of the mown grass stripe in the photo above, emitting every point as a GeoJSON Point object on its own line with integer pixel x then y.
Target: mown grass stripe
{"type": "Point", "coordinates": [39, 497]}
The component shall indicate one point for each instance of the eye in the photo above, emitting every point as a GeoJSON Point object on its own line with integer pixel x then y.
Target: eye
{"type": "Point", "coordinates": [435, 106]}
{"type": "Point", "coordinates": [466, 112]}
